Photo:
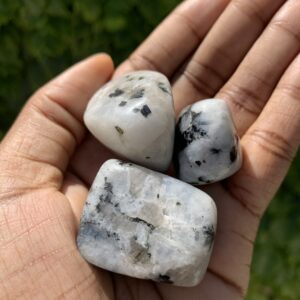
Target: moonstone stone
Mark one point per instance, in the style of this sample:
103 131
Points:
134 116
147 225
206 144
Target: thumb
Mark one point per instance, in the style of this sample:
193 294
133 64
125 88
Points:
37 148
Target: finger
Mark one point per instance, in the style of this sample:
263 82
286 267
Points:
40 143
76 192
223 49
270 144
176 38
73 88
252 84
269 147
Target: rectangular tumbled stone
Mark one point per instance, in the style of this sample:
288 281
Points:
147 225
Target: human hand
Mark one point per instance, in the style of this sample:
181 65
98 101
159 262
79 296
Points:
42 190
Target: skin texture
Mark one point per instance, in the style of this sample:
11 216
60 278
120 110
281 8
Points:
249 56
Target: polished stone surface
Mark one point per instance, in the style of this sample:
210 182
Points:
134 116
207 147
147 225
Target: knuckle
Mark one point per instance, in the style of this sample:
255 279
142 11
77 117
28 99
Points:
245 197
273 143
183 18
285 26
249 99
243 98
287 19
252 9
290 90
205 78
140 61
198 84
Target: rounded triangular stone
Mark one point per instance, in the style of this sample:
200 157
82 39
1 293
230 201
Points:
207 147
147 225
134 116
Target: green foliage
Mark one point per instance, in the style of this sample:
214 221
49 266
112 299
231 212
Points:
40 38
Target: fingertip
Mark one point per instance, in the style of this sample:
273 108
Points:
75 86
106 60
103 62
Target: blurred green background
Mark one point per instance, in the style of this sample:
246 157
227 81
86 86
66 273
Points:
39 38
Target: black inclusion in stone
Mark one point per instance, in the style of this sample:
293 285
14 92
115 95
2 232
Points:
215 151
145 111
163 88
115 236
209 233
108 192
125 163
119 129
196 130
122 103
138 94
233 154
197 125
193 132
116 93
98 207
147 157
138 220
202 179
179 144
107 186
164 279
197 234
180 140
198 163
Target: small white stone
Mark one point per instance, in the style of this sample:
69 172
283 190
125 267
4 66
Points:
147 225
206 145
134 116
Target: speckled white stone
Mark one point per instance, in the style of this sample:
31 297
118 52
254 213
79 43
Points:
134 116
147 225
206 143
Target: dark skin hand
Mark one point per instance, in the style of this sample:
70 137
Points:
249 57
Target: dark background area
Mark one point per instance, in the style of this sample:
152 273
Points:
40 38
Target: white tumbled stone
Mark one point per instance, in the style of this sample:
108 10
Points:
147 225
134 116
207 147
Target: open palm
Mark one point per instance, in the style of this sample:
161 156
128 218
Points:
246 52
